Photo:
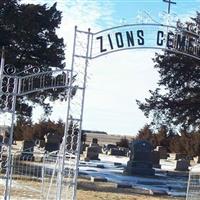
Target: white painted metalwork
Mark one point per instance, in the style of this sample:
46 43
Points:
8 91
14 84
147 36
43 81
193 188
60 174
60 169
64 176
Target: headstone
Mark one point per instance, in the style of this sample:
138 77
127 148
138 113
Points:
91 153
182 165
107 147
197 159
83 147
27 150
162 151
94 141
155 156
126 151
117 164
116 152
41 143
98 179
123 185
140 162
156 192
95 144
177 156
52 142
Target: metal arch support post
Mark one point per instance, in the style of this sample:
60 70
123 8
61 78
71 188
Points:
9 154
63 148
18 90
81 117
9 160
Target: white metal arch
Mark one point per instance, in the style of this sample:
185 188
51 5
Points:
87 45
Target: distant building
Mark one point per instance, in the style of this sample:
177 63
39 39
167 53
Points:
94 132
103 137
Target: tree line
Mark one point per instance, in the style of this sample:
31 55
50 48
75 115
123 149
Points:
185 142
28 33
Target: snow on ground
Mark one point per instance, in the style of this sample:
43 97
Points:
112 167
174 184
196 168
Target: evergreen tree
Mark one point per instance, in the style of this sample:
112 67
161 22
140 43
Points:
28 33
176 100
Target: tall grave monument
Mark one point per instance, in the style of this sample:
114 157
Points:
140 162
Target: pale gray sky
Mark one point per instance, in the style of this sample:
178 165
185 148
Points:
115 80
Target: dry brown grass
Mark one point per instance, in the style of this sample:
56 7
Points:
87 190
107 191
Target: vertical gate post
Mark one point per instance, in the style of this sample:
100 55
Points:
10 98
64 143
70 153
9 154
81 117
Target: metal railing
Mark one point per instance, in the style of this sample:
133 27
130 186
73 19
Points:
193 188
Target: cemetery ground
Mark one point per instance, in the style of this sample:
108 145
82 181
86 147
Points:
91 191
163 186
106 191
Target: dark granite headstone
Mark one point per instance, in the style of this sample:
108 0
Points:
182 165
27 150
177 156
52 147
116 152
162 151
95 144
140 162
91 153
155 155
94 141
53 142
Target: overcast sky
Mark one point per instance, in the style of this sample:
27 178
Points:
115 80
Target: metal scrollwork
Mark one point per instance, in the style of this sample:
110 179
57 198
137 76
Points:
168 18
9 69
145 17
6 102
189 26
7 85
36 70
29 69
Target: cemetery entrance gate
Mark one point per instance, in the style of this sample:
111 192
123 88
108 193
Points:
56 171
60 171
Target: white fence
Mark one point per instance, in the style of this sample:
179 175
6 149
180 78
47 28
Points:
193 190
39 175
53 175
